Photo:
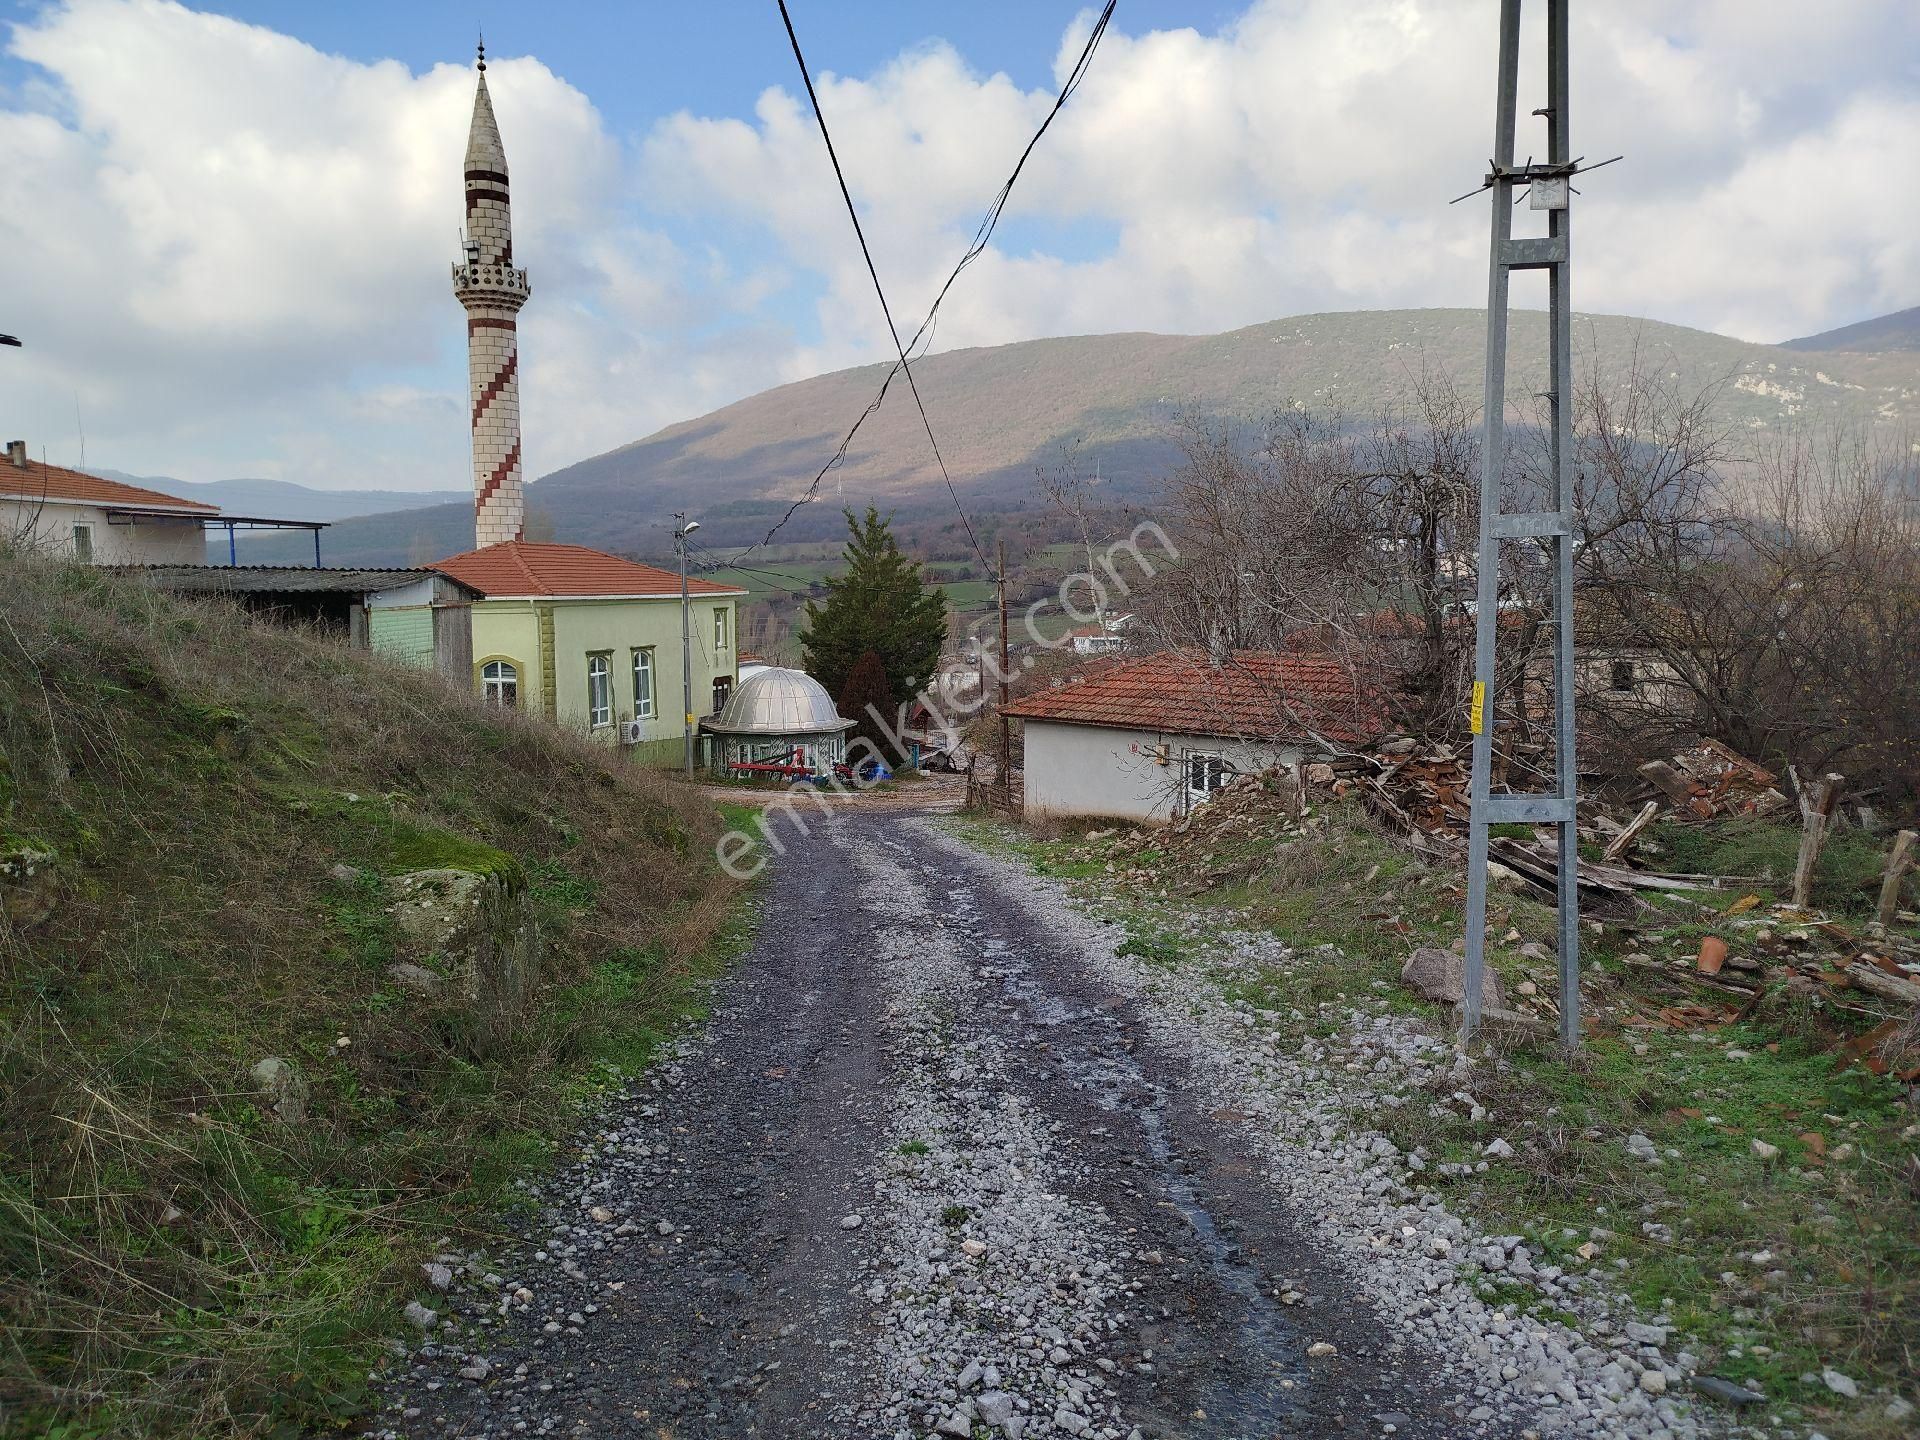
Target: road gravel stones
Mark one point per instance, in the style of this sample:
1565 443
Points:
944 1163
1305 1104
988 1262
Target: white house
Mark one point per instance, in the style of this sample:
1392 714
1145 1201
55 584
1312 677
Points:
1108 637
1149 739
95 520
98 521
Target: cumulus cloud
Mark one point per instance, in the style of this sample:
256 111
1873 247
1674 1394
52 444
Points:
239 250
1302 159
237 245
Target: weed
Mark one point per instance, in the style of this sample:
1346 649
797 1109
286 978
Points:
174 1261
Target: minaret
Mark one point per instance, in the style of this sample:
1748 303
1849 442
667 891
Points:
492 292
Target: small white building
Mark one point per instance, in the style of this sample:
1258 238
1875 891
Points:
1149 739
1107 637
95 520
98 521
779 720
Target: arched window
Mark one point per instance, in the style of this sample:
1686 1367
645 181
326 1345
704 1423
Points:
643 683
599 691
500 683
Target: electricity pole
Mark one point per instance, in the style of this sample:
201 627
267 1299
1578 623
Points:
1006 733
680 534
1550 189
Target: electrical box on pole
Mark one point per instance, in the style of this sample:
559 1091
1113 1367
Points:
1550 189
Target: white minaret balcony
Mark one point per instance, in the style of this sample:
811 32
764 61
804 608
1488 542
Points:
490 284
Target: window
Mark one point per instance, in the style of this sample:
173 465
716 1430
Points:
599 691
83 544
1620 675
643 684
722 690
1206 773
720 630
500 683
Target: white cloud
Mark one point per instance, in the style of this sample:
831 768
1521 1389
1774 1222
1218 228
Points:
1302 160
240 249
238 245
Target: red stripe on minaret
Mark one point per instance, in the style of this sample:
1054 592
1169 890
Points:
495 386
500 473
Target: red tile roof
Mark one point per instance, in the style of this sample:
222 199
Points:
54 482
518 568
1255 694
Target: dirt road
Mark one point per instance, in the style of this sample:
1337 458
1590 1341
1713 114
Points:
943 1163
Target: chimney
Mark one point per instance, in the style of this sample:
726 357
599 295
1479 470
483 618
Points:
17 454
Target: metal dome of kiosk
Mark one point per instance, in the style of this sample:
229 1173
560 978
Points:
780 724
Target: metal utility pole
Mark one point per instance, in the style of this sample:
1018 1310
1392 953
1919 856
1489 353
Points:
1549 189
1006 733
680 533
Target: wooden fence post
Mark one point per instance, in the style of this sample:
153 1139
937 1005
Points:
1898 863
1817 812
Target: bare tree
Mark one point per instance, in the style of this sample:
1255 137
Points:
1357 542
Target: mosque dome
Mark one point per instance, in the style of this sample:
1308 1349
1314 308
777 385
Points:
777 701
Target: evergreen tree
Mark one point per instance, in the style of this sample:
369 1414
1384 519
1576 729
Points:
880 602
867 686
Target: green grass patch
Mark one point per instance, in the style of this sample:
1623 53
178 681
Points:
1846 880
175 1261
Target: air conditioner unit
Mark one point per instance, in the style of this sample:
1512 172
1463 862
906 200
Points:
632 732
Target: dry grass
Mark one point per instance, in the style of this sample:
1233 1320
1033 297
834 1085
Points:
173 1261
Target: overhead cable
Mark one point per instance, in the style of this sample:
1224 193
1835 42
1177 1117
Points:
981 236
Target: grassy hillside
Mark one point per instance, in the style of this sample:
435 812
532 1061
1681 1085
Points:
1898 331
1001 411
199 822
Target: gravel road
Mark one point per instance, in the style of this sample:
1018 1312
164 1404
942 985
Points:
943 1162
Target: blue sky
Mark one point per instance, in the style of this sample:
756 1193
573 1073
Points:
238 218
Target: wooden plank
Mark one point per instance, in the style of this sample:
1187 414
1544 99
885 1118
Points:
1813 834
1668 781
1620 843
1898 863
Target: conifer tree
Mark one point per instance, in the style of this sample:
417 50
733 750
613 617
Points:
867 687
880 602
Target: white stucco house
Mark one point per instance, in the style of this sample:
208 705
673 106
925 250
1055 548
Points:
1149 739
1108 637
98 521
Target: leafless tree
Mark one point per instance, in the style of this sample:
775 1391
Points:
1354 541
1767 596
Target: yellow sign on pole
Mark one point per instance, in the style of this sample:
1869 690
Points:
1477 717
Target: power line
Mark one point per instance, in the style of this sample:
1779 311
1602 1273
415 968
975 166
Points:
979 243
720 562
860 234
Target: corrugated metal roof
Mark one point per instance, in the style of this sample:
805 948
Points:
277 579
1252 694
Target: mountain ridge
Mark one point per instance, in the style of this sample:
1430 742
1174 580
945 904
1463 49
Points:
1002 411
286 500
1898 331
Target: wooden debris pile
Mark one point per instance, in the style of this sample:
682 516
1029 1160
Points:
1708 779
1423 789
1869 979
